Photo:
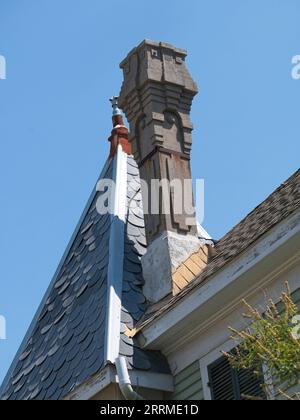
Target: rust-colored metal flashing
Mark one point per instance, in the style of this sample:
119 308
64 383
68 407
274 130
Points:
120 133
119 136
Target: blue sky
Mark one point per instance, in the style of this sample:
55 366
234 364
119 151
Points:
62 66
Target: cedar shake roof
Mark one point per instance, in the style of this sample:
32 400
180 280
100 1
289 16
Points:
281 204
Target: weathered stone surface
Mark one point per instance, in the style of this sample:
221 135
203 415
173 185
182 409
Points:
156 96
163 256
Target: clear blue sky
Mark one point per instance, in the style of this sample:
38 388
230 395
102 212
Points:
62 66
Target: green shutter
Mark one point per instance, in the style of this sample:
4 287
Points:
221 381
228 384
250 384
188 384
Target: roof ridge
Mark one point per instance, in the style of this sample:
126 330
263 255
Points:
277 190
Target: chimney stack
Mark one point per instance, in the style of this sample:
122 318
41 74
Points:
156 96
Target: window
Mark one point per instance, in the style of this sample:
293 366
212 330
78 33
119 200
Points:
227 383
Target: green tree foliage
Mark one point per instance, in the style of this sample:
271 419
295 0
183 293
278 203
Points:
272 341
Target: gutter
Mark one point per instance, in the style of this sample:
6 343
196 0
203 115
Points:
124 381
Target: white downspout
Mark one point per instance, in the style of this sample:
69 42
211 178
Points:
124 380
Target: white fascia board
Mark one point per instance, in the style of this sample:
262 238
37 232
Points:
228 284
151 380
108 376
116 258
93 386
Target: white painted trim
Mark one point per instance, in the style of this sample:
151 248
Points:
93 386
190 347
213 332
287 234
108 376
116 259
120 200
151 380
269 383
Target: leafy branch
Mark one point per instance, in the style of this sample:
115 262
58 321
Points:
270 342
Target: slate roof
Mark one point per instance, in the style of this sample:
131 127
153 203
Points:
281 204
134 303
65 344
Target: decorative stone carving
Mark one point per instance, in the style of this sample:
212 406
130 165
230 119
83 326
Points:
156 96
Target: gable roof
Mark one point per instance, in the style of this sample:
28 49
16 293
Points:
68 339
281 204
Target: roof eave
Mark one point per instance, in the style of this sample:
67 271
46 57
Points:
108 376
181 320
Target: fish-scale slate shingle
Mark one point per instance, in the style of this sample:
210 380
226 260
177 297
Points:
134 303
66 345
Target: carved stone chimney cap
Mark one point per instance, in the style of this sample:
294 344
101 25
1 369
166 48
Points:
157 62
154 44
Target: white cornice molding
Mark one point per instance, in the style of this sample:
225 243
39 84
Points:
233 305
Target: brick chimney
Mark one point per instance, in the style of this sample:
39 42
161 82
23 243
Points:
156 96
